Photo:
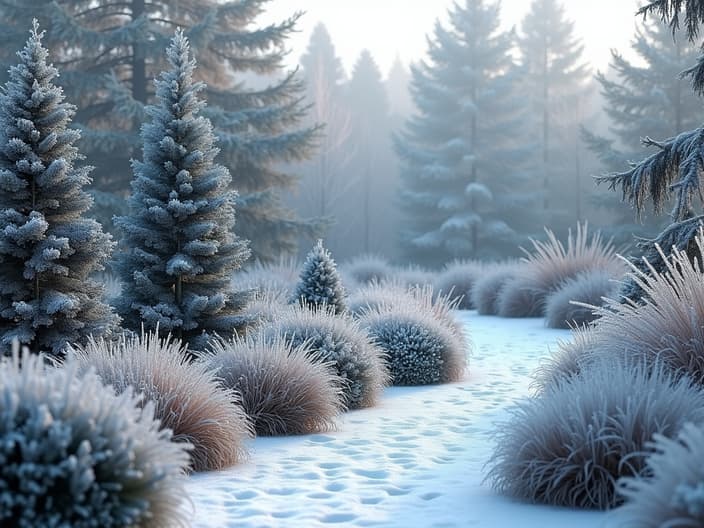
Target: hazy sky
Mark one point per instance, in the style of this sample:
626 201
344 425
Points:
388 27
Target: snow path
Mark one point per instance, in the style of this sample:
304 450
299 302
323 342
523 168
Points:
414 461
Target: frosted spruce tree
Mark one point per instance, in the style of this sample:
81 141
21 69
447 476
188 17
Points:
672 173
555 80
465 176
180 249
48 250
650 98
319 283
111 51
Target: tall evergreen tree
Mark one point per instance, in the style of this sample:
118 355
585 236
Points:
48 251
371 206
180 247
555 77
398 84
111 49
464 172
324 185
647 98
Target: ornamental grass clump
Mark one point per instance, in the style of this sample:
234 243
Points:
488 286
457 280
550 265
671 491
589 289
569 445
284 390
668 326
366 269
421 349
187 396
74 453
338 340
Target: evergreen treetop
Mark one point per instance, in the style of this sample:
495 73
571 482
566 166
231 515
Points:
180 249
48 251
111 49
649 98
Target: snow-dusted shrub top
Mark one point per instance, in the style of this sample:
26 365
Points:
378 294
672 494
487 288
187 396
590 287
568 361
420 348
319 283
72 453
366 269
284 390
457 280
339 340
569 445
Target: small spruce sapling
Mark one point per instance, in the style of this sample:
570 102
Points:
181 250
319 282
48 250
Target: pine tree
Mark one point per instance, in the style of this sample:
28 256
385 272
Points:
672 173
371 204
649 98
464 154
110 50
554 81
180 247
319 284
48 250
398 82
324 185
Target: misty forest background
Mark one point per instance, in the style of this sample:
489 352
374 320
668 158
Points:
462 154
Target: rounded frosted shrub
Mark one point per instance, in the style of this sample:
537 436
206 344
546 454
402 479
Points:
569 445
420 349
187 397
73 453
550 265
486 290
457 281
519 298
279 276
588 288
569 360
672 494
340 341
265 306
284 390
414 276
670 326
366 269
376 295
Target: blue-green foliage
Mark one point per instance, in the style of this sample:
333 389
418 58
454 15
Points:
259 127
180 247
319 283
48 251
464 154
72 453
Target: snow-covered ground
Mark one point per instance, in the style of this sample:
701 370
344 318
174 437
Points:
417 460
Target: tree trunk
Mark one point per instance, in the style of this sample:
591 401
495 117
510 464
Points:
546 128
139 66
